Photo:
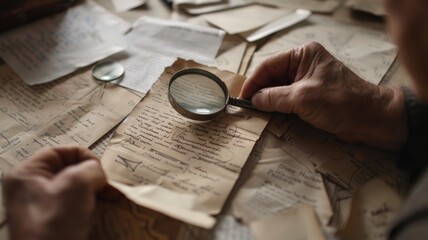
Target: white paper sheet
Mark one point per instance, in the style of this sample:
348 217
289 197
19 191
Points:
155 44
56 46
125 5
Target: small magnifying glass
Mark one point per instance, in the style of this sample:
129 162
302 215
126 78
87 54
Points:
200 95
108 71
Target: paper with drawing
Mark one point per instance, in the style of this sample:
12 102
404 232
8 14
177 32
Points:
56 46
278 182
183 168
367 52
74 110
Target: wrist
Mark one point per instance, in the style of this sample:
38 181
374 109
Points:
386 120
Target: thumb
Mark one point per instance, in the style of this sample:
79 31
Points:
274 99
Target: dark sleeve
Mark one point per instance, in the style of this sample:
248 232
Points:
414 154
412 220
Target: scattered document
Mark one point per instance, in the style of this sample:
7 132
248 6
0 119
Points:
155 44
367 52
125 5
56 46
220 6
182 168
376 7
77 110
279 182
348 165
374 207
231 53
298 223
287 21
319 6
244 19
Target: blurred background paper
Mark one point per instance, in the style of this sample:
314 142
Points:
244 19
319 6
287 21
56 46
125 5
375 7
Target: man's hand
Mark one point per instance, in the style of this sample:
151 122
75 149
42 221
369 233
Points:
52 194
311 83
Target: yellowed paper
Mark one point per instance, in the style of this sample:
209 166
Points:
367 52
374 206
348 165
279 182
76 110
231 53
249 51
183 168
375 7
320 6
298 223
245 18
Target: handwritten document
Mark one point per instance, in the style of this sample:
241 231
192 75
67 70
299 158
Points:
373 209
182 168
56 46
155 44
348 165
73 110
279 182
367 52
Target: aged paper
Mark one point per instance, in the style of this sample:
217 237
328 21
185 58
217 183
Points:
231 53
278 182
125 5
246 59
320 6
73 110
367 52
375 7
290 19
183 168
244 19
348 165
297 223
208 8
374 206
56 46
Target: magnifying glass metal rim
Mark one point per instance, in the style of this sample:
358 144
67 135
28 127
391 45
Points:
189 114
98 64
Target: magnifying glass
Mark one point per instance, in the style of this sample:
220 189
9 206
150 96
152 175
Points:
200 95
108 71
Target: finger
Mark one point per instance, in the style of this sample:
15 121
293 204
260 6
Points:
88 174
277 70
275 99
52 160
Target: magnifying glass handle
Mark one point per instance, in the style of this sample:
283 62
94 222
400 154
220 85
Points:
244 103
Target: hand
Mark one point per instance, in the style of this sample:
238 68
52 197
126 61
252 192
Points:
52 194
311 83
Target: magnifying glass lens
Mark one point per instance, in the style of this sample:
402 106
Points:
198 94
108 71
